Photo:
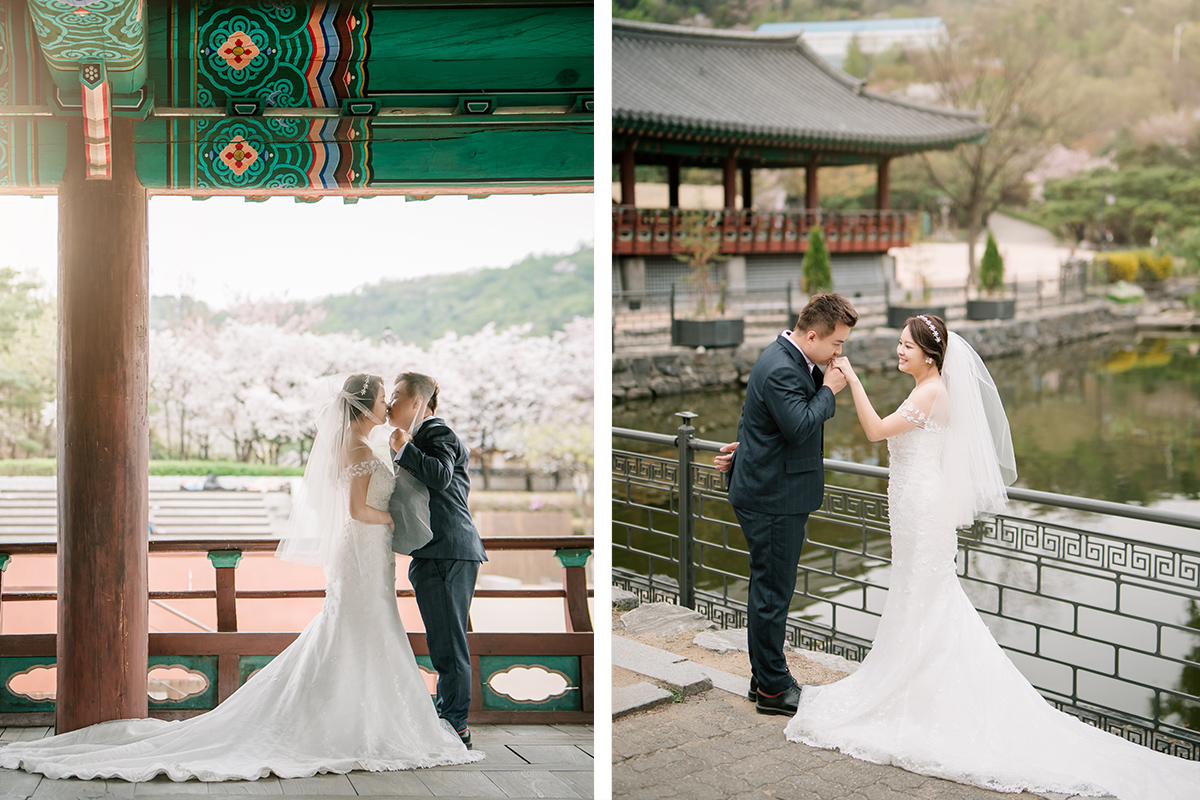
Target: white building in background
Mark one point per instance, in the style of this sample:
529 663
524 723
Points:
832 39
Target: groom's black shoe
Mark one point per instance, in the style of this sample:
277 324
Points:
783 703
752 695
465 735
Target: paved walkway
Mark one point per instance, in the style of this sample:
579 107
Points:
524 761
712 745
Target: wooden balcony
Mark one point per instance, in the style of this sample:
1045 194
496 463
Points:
647 231
226 658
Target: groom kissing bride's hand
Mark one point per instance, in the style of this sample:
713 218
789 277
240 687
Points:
776 478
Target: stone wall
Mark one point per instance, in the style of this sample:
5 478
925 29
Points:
678 370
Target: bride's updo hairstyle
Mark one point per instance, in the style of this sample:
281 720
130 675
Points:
417 384
930 334
364 388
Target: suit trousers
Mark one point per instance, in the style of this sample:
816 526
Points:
774 542
444 588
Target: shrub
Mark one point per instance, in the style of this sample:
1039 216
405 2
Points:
1154 268
818 276
1122 267
991 268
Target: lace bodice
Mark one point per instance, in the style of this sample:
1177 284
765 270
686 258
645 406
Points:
379 490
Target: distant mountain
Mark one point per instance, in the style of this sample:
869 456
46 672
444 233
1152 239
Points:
546 291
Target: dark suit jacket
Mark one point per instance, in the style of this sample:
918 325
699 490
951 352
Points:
777 468
438 459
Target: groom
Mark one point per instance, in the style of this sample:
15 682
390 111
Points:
776 478
442 572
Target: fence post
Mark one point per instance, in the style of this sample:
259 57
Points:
687 525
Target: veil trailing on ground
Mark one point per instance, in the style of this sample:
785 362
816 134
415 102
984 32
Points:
321 506
977 455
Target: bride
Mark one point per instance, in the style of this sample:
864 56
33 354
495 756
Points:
936 695
347 694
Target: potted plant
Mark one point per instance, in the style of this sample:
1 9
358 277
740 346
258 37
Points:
708 326
993 305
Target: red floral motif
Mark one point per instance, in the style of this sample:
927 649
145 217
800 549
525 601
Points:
238 155
238 51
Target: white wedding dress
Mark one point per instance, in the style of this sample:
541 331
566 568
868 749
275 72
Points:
346 695
936 695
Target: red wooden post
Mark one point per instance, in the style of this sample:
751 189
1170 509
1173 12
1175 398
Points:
811 198
103 438
731 181
579 619
628 177
883 195
225 562
4 559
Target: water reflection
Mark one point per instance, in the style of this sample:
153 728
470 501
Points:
1113 418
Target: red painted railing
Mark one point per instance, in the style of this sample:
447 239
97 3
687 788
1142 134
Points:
232 649
648 231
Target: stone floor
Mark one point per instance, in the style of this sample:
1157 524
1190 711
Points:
713 746
524 761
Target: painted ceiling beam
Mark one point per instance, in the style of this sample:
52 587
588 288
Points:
70 32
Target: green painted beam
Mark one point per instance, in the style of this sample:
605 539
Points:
420 62
356 153
112 31
484 49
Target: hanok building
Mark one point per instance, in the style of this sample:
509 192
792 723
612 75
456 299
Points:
106 102
737 102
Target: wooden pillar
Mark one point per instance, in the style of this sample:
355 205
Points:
883 196
673 184
747 187
103 438
811 197
628 179
730 181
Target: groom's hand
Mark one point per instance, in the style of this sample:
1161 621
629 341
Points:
835 378
398 439
724 462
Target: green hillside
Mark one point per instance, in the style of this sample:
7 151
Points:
546 290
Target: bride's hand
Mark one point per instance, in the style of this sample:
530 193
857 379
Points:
842 364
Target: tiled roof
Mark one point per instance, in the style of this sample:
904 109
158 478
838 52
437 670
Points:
763 89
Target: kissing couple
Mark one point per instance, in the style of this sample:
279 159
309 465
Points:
936 695
347 694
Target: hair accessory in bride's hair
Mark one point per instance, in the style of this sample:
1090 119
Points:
932 329
366 383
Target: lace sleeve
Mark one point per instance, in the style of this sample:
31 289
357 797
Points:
911 412
916 416
363 468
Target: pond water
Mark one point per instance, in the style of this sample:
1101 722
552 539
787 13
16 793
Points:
1113 419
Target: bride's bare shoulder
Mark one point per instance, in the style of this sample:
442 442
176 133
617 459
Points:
357 456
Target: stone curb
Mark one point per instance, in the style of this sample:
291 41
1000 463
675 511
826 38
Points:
639 697
676 671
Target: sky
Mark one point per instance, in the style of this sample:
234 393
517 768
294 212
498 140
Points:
225 250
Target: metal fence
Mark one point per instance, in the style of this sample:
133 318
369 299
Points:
1106 628
645 318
